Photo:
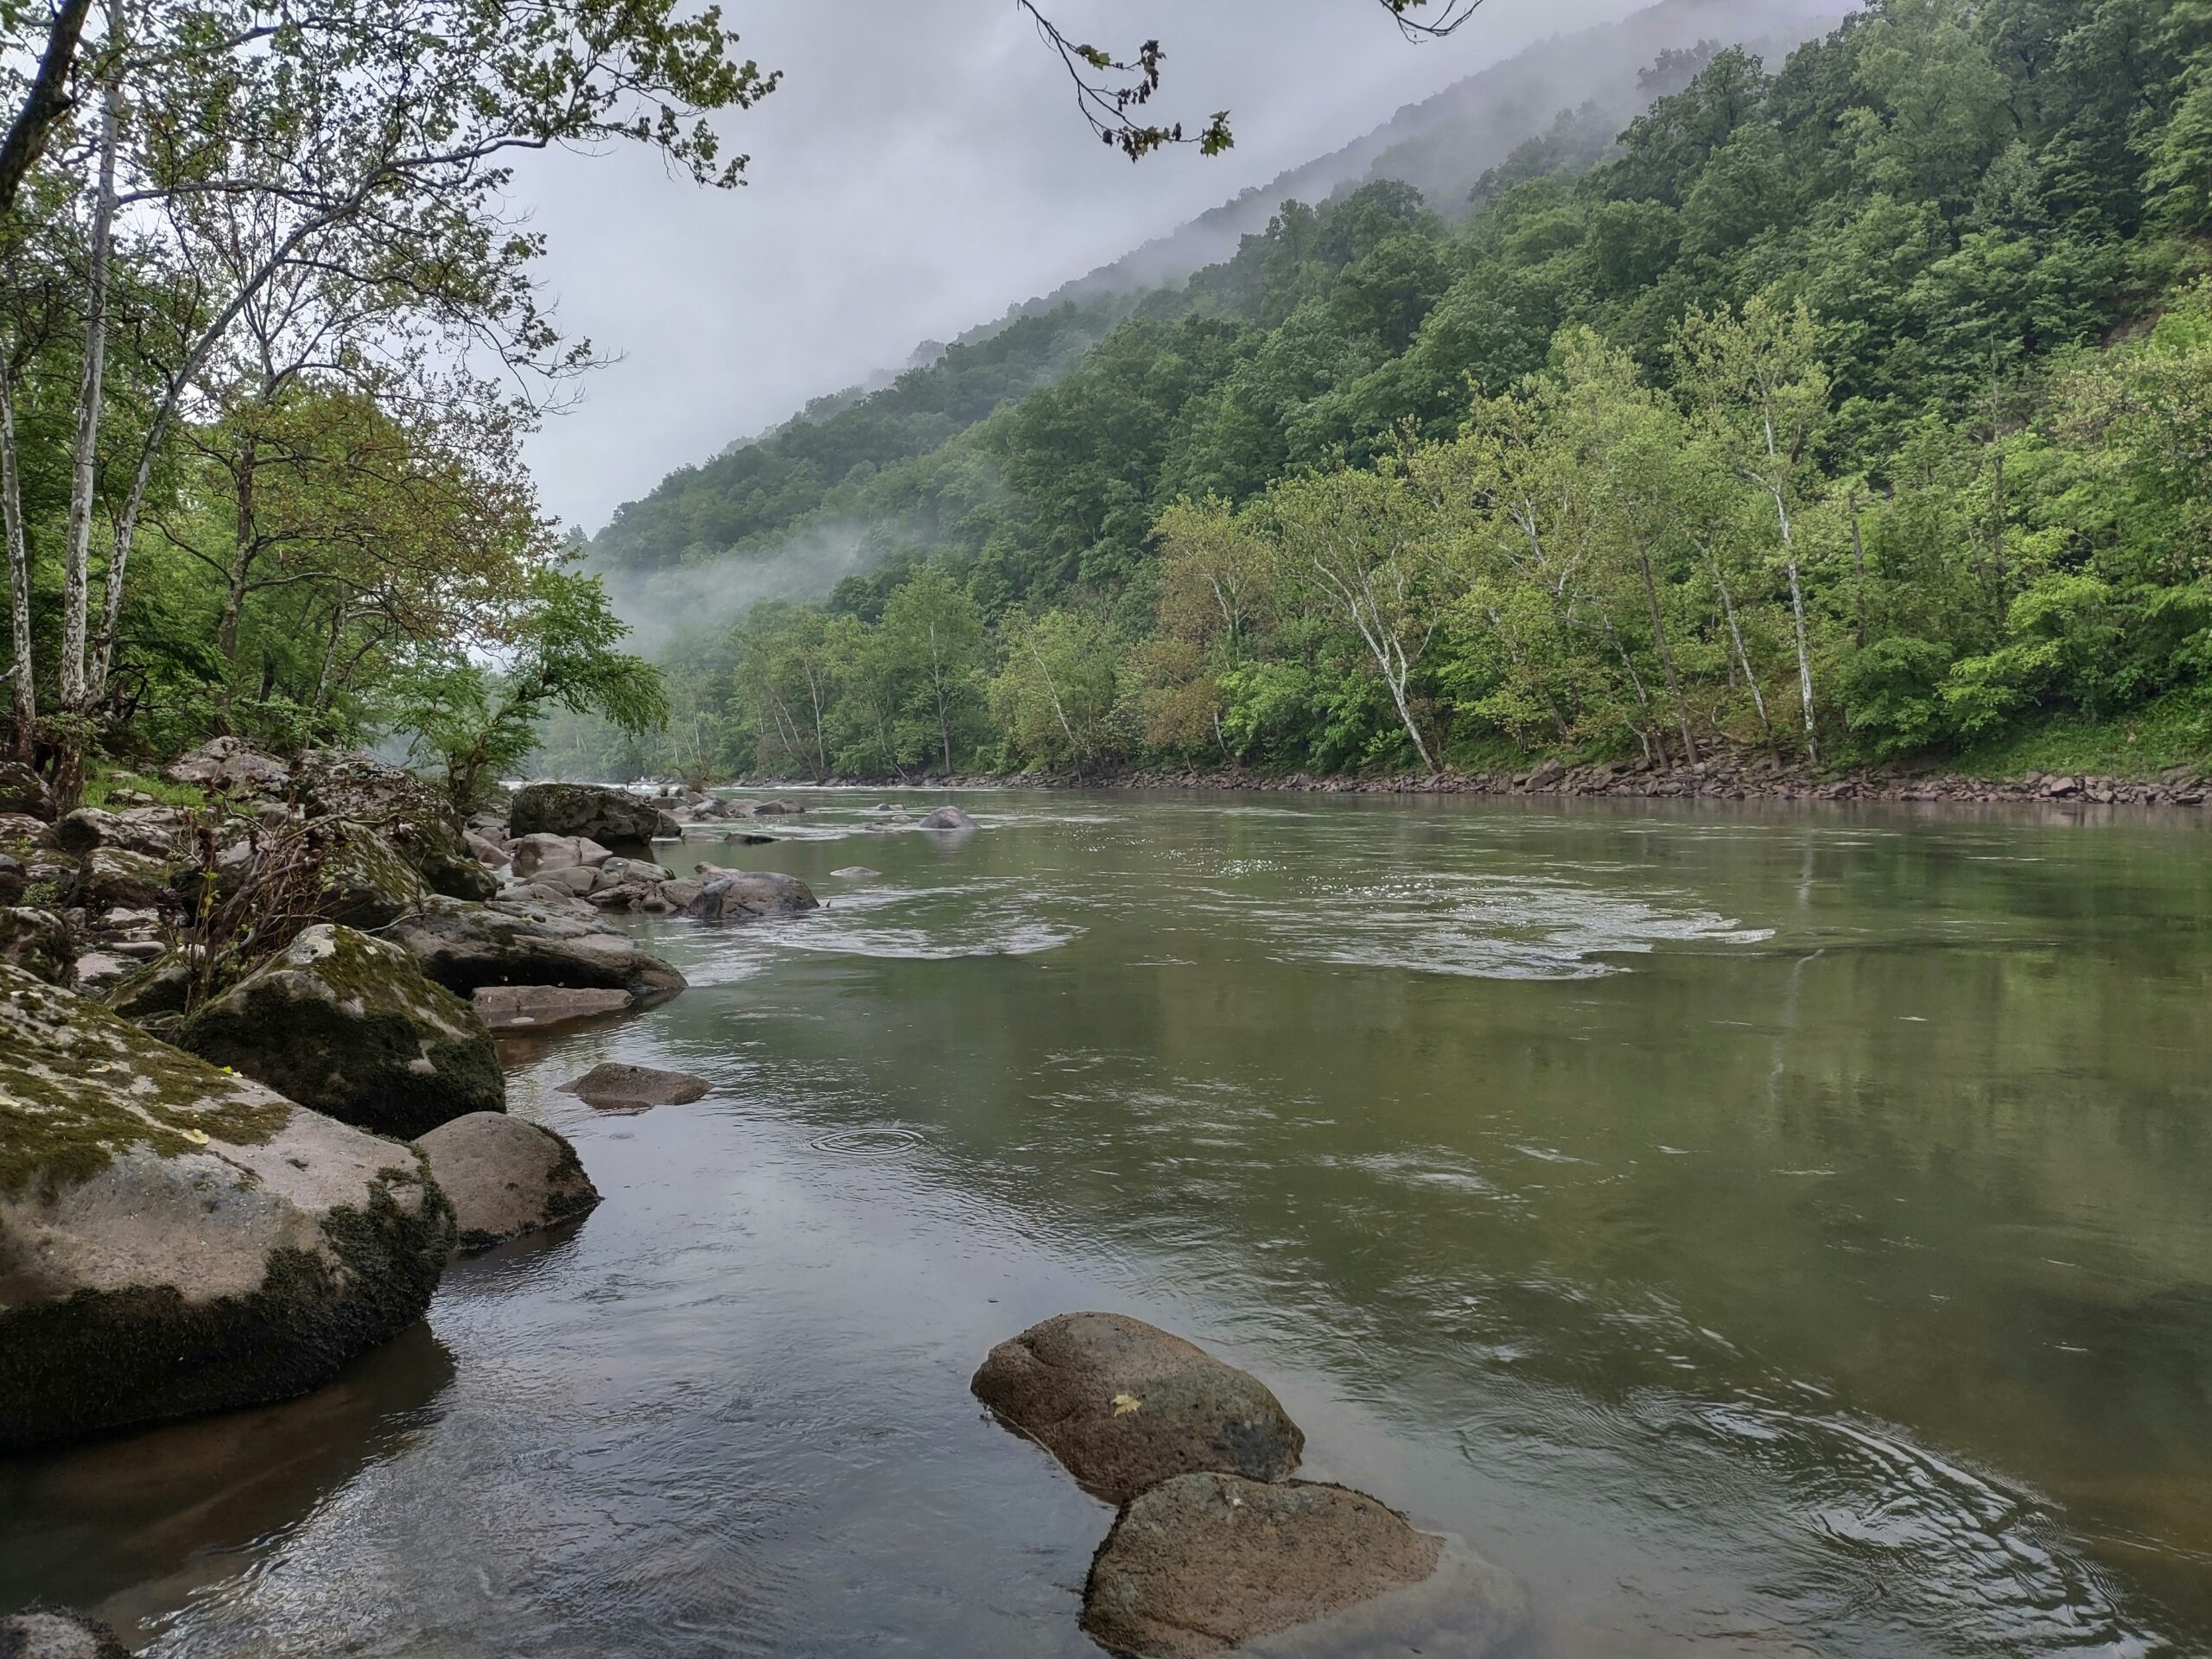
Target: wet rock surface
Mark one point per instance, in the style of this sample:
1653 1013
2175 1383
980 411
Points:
1124 1405
504 1177
537 1008
1204 1562
948 817
465 947
613 1083
347 1025
752 895
174 1239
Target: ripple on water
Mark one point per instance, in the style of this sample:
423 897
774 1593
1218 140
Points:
868 1138
1490 926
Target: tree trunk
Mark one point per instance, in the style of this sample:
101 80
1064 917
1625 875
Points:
1735 633
84 463
226 629
25 698
1857 577
1665 655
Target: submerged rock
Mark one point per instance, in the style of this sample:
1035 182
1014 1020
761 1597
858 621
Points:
752 895
613 1083
42 1633
505 1176
857 872
534 1007
1124 1404
464 947
174 1239
607 815
347 1025
1203 1562
948 817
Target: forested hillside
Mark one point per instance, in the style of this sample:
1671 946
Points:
1855 405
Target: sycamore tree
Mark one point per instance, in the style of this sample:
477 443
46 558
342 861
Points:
478 718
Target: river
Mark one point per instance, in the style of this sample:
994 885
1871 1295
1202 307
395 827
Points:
1765 1230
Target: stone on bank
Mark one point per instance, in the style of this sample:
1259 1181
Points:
174 1239
347 1025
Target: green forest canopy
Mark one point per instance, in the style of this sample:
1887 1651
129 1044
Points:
1859 408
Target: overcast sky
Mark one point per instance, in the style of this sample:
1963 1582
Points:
921 168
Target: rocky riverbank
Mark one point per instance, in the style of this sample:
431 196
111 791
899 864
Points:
1727 778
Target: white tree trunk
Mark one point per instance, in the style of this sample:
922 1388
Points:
76 685
24 701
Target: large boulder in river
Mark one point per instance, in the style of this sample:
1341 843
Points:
610 816
347 1025
505 1176
1124 1405
752 895
174 1239
44 1632
948 817
464 947
1204 1562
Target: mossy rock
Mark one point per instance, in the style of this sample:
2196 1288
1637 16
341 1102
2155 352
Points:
365 883
22 790
41 1631
176 1239
39 943
156 832
347 1025
115 877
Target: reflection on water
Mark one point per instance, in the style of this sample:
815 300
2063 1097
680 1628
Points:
1766 1233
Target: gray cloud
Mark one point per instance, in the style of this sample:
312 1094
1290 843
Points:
922 169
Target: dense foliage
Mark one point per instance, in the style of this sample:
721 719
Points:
1858 407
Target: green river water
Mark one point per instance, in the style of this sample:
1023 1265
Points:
1766 1231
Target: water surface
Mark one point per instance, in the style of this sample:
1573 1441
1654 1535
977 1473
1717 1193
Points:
1766 1231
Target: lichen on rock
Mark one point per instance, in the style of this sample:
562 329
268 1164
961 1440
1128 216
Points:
347 1025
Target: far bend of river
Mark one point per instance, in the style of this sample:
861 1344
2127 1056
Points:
1766 1231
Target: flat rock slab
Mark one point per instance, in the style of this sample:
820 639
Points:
1205 1563
505 1176
1124 1405
534 1007
616 1084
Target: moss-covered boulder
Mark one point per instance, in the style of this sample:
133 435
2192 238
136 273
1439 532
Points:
414 817
347 1025
1124 1405
39 943
225 763
21 790
115 877
612 818
174 1239
365 881
465 947
505 1176
157 832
